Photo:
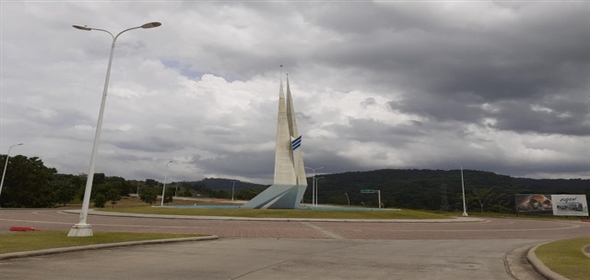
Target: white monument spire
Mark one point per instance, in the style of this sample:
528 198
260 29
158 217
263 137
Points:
290 181
296 139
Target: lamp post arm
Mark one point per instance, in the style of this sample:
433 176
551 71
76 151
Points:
6 165
114 39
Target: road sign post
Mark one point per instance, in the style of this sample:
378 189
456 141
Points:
369 191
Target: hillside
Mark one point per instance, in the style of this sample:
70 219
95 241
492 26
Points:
423 189
420 188
437 189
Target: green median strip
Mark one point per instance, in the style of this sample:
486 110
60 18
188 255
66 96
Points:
566 257
38 240
282 213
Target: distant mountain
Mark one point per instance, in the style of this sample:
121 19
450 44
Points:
435 189
419 188
216 184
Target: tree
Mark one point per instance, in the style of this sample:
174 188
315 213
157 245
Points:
119 183
168 195
482 196
151 182
148 195
27 183
247 193
113 196
186 193
98 179
221 194
64 188
100 200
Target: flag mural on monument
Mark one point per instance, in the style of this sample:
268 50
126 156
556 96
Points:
290 181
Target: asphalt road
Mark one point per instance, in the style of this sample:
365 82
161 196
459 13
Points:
490 249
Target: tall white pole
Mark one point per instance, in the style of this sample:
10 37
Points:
313 185
347 198
463 190
313 190
82 228
6 165
164 187
232 190
317 190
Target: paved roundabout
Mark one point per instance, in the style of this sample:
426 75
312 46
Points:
466 248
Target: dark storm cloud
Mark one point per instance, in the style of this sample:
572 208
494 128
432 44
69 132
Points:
330 162
449 70
465 107
497 86
518 116
367 130
246 164
150 144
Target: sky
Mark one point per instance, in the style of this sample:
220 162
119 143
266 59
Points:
498 86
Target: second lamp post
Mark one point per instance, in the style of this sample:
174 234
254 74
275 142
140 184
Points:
82 228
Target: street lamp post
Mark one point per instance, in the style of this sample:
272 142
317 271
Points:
347 198
462 190
317 190
164 187
232 190
313 190
6 165
82 228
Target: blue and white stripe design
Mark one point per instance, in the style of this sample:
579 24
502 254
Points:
296 143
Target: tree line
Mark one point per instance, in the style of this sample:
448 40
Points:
29 183
438 189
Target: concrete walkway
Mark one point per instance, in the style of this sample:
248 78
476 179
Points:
530 256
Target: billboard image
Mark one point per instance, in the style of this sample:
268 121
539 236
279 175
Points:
569 205
536 204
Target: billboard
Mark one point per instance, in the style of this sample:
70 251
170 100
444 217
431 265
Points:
534 204
569 205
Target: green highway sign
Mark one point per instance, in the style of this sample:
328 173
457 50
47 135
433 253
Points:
367 191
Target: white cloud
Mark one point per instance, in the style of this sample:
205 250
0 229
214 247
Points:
375 85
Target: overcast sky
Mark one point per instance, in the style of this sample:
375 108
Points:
499 86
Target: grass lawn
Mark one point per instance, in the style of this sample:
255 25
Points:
566 258
134 205
38 240
282 213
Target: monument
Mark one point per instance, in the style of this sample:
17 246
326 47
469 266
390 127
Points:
290 181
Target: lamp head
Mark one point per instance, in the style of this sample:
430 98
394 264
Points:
151 25
82 27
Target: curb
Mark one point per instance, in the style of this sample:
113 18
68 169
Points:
540 267
224 218
52 251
